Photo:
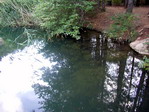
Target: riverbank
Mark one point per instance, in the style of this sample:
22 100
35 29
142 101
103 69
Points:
102 21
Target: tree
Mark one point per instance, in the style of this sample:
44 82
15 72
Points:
129 6
125 3
63 16
101 4
137 2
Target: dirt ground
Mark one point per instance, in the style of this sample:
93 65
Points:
102 21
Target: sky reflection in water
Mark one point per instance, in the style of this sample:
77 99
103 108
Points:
17 76
68 76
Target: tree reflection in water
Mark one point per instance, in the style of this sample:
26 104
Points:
91 76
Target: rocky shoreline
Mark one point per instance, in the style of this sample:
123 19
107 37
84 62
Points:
141 45
102 22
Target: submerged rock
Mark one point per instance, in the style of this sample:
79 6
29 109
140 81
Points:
141 46
1 41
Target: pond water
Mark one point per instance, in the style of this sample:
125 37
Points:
65 75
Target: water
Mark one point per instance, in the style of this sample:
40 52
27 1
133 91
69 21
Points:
73 76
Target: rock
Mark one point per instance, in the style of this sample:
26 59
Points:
141 46
1 41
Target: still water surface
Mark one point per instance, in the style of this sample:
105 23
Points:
68 76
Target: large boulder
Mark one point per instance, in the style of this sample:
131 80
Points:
1 41
141 46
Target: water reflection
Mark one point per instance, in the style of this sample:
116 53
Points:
92 77
17 76
70 76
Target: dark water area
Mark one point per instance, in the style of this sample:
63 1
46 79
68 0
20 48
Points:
64 75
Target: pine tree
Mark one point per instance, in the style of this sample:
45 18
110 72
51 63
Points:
129 6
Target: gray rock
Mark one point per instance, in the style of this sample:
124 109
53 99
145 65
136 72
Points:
141 46
1 41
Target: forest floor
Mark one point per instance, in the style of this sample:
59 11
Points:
102 21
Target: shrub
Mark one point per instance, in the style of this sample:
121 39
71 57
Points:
62 16
16 12
123 27
145 63
116 2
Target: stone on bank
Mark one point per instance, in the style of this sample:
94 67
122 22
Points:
141 46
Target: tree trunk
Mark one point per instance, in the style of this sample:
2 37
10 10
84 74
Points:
101 5
137 3
129 6
126 3
119 97
139 91
145 100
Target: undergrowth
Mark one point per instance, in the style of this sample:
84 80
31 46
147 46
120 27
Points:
17 12
58 17
123 27
145 63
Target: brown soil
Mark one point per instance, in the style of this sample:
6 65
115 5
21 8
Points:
102 21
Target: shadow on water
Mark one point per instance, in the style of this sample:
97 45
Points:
18 38
90 75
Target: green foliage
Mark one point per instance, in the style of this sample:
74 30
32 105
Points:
123 27
116 2
57 16
62 16
145 63
16 12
